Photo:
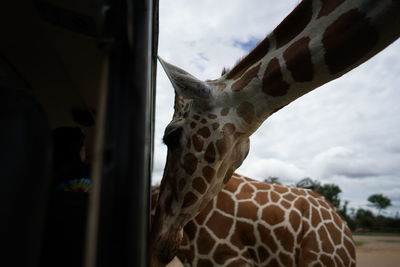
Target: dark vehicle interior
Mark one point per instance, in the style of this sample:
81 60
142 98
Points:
77 63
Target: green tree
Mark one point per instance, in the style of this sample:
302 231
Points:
379 201
364 219
273 180
329 191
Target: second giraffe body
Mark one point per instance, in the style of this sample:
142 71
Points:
251 223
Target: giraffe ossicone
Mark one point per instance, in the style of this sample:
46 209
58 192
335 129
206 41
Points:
186 84
208 137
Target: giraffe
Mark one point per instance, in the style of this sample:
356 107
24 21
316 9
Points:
208 137
252 223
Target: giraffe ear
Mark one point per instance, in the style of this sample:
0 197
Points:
186 84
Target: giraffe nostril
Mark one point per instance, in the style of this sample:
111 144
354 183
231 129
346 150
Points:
172 138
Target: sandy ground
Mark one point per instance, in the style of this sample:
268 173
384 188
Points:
378 251
372 251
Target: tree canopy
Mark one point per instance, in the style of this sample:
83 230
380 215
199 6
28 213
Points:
379 201
329 191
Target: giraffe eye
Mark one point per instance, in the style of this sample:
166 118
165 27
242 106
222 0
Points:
172 138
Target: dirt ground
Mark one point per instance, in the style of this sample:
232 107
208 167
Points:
373 251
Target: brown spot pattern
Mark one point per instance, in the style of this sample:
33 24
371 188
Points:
275 197
286 204
334 233
285 237
208 173
199 184
204 131
246 233
245 193
196 117
272 81
348 40
274 263
246 112
337 219
192 125
261 198
221 146
327 261
224 111
228 175
205 242
197 142
302 205
190 163
204 263
219 224
204 121
298 191
289 197
326 244
294 23
328 6
257 54
263 186
298 60
324 204
236 263
280 189
273 215
190 229
215 125
246 210
223 253
295 220
285 259
209 155
350 248
225 203
343 255
204 213
246 78
189 200
325 214
312 201
311 241
315 218
262 254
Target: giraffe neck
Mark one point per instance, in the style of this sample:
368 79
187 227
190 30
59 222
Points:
318 42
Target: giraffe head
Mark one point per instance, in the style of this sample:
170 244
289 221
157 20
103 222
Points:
207 139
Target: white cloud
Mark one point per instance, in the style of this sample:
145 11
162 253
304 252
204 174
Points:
345 162
264 168
340 132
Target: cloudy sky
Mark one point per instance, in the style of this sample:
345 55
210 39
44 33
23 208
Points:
345 132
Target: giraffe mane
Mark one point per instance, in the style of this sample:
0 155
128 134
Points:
237 67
